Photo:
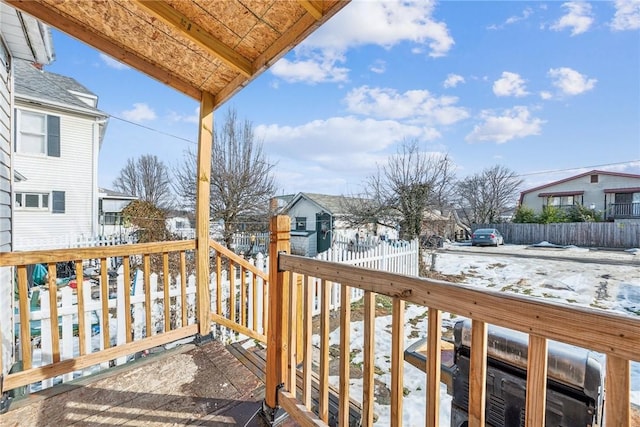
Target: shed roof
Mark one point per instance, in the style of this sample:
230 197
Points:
335 205
214 46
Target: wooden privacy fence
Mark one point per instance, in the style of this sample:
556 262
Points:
616 336
623 234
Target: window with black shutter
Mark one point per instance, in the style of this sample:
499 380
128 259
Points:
38 133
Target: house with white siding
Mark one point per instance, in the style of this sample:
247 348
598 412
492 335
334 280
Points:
111 222
613 194
58 133
21 38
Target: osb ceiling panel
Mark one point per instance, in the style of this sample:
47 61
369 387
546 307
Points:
216 46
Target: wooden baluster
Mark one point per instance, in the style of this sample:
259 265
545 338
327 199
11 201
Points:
290 382
146 273
82 323
166 280
478 374
307 346
434 336
25 323
368 385
219 284
126 270
617 406
536 381
345 353
183 288
53 306
243 298
323 398
254 302
397 361
104 296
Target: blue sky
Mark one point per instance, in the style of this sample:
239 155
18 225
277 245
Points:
534 86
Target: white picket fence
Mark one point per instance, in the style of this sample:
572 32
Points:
402 259
68 241
397 257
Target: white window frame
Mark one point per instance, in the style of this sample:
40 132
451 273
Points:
21 197
22 131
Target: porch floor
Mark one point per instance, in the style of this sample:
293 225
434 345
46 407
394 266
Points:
189 385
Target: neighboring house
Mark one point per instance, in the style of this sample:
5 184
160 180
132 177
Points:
316 218
615 195
182 225
21 37
110 220
59 131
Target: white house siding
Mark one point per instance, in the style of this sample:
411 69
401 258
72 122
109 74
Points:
71 172
6 288
593 192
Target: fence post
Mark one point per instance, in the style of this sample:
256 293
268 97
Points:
277 326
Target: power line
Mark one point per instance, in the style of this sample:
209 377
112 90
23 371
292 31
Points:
153 130
579 168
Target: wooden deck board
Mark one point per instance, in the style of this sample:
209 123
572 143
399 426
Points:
190 385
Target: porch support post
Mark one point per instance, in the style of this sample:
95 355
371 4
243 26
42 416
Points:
277 326
203 197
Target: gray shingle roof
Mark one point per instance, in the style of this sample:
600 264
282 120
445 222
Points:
34 83
335 205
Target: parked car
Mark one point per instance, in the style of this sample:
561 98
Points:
486 237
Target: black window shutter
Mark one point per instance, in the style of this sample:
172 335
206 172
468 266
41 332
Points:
53 136
57 205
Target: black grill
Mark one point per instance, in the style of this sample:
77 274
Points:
574 382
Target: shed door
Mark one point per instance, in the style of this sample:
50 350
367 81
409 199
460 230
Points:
323 231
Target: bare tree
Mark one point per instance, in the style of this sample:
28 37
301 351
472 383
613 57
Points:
242 181
485 196
146 178
411 182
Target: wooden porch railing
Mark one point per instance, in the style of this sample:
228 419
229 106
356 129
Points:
239 302
616 336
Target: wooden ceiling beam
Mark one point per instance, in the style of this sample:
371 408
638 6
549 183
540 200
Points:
311 7
196 33
72 27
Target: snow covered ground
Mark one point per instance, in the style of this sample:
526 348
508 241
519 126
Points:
596 284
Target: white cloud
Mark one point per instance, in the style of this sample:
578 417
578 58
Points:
360 23
570 82
378 66
453 80
112 63
578 18
512 19
141 112
627 16
176 117
546 95
516 122
510 84
412 105
361 143
310 71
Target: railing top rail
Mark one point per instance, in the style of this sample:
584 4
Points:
237 259
605 332
60 255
